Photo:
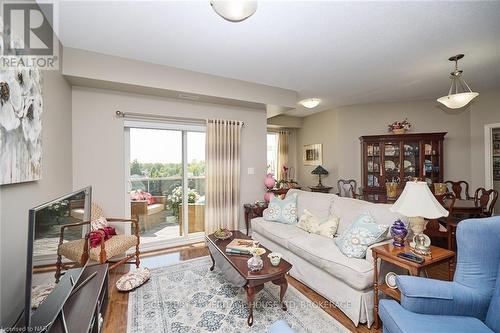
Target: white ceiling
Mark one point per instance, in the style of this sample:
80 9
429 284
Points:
343 52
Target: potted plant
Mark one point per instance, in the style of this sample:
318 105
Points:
399 127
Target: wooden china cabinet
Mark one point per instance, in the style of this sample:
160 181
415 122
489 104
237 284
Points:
399 158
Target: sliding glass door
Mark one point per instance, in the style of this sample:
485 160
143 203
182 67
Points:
167 181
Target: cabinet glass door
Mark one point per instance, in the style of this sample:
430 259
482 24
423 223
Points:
392 162
432 167
373 165
411 160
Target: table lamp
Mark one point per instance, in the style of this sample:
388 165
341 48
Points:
319 170
417 202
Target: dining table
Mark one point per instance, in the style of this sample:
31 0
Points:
464 207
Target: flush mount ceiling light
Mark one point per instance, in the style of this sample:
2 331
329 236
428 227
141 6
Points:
234 10
457 98
310 103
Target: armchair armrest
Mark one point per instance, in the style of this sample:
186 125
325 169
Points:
134 222
429 296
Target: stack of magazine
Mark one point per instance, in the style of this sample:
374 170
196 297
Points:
241 246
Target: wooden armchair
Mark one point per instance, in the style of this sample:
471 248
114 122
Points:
487 200
78 251
458 187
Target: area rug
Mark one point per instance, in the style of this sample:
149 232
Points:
187 297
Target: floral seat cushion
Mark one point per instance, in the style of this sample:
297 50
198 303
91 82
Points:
114 246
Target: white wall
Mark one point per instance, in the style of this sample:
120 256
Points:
98 143
17 199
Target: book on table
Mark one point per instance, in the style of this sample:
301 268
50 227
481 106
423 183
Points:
241 246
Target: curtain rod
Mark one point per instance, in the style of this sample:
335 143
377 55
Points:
135 115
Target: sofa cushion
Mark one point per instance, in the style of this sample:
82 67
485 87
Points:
323 253
319 204
277 232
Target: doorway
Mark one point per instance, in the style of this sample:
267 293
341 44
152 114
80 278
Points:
166 182
492 159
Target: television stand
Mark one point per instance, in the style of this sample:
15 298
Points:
84 309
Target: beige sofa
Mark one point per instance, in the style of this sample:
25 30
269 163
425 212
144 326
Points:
317 261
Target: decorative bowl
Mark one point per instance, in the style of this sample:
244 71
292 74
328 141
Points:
223 234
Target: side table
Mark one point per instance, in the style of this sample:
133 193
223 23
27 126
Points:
253 210
389 252
320 189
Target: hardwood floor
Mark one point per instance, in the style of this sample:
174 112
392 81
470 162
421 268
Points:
116 314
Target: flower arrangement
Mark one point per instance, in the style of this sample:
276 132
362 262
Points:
175 199
399 126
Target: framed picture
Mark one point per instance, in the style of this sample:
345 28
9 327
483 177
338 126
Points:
313 154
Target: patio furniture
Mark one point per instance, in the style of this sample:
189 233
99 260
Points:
78 251
143 211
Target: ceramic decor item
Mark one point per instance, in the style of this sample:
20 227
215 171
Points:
269 182
399 233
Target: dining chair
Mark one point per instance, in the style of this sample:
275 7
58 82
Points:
487 200
444 227
458 187
347 188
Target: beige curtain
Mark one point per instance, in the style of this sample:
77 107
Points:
282 153
223 175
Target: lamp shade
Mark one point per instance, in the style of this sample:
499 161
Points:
456 101
417 200
234 10
319 170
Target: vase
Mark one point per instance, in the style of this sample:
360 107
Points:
399 233
399 131
269 182
255 263
392 189
268 196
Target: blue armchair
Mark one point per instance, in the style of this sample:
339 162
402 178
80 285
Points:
470 303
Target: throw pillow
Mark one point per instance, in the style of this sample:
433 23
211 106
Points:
308 221
132 280
362 233
99 223
282 210
327 228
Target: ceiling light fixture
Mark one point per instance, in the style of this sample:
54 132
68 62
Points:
234 10
456 99
310 103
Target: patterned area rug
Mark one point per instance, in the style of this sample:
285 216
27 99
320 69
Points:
187 297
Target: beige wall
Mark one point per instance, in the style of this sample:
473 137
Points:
98 141
339 131
17 199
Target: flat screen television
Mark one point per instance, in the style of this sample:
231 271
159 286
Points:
45 222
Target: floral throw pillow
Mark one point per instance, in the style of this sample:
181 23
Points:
282 210
307 221
328 228
362 233
312 224
99 223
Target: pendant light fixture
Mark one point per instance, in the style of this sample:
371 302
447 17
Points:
310 103
457 98
234 10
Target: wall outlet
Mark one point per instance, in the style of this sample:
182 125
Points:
251 171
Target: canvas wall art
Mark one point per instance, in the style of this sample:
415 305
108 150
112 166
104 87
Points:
21 108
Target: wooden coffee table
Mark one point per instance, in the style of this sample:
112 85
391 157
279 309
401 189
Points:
253 282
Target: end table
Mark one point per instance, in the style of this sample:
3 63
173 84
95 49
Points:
253 210
389 252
